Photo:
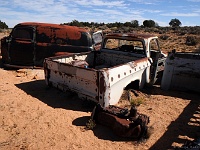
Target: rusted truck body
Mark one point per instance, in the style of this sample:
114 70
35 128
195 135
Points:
30 42
125 60
182 72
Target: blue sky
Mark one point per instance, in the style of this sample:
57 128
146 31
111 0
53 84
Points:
107 11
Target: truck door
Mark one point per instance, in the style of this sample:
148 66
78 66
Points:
158 58
21 46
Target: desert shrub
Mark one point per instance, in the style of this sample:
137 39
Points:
182 33
194 30
148 30
197 50
156 30
162 32
191 41
113 29
164 37
125 29
90 124
137 101
104 27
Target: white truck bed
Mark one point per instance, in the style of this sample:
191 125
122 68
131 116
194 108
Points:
98 76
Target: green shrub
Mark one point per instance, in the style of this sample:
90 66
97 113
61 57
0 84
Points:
90 124
136 101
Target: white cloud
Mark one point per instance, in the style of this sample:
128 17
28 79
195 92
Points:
146 2
107 11
100 3
174 14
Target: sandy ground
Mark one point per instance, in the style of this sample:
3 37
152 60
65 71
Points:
36 117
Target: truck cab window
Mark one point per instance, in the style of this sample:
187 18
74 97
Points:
154 48
22 33
154 45
134 46
111 44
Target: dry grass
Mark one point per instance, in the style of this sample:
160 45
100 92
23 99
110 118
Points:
175 39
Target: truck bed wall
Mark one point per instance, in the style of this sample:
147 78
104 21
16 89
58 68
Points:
182 72
103 82
103 59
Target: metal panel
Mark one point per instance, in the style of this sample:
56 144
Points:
74 78
182 71
120 76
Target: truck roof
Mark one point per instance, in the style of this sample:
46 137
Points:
131 35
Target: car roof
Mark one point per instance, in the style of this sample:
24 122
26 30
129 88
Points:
60 30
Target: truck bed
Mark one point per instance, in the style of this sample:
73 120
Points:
99 60
98 76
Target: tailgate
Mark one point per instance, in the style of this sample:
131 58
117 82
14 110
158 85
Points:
72 78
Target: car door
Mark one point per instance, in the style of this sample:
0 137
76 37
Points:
21 46
158 59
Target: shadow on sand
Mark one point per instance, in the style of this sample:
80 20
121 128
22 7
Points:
67 100
187 124
55 98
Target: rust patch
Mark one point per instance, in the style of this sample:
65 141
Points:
124 122
60 31
141 60
63 53
102 85
23 42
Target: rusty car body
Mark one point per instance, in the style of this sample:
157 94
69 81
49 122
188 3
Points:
124 60
30 42
124 122
182 72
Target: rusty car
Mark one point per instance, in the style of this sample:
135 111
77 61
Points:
30 42
124 60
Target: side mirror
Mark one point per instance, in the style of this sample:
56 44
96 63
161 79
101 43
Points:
97 37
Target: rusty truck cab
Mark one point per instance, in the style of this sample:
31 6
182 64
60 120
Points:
30 42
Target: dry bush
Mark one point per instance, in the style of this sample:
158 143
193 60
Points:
90 124
164 37
197 50
191 41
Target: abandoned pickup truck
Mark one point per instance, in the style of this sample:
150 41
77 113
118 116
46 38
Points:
182 72
124 61
30 42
